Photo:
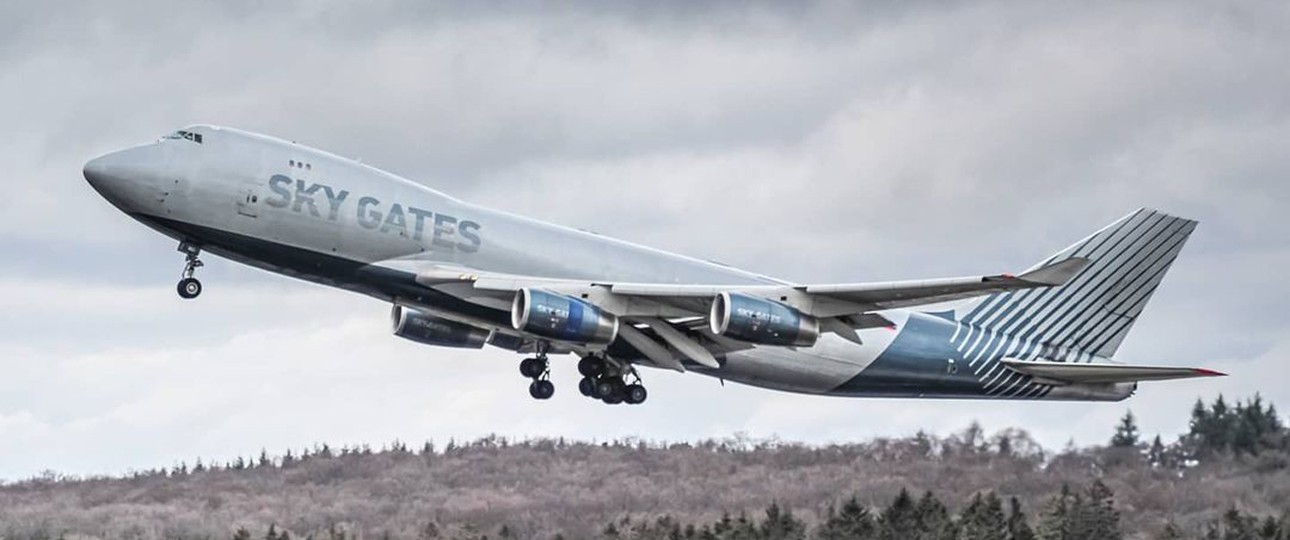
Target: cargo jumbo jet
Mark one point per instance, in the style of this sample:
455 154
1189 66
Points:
461 275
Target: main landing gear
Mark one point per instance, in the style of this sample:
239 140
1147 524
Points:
610 383
189 287
538 369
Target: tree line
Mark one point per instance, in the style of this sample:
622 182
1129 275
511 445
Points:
1226 477
1088 514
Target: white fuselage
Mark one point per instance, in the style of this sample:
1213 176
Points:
302 212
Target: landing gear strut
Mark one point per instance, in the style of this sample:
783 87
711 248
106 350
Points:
538 369
189 287
610 383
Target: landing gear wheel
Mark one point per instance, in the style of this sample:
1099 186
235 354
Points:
591 366
587 386
634 394
189 288
613 399
532 367
541 389
605 388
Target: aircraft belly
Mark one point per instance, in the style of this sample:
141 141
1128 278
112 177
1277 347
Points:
325 269
818 369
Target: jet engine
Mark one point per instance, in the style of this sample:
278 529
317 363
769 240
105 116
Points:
431 330
762 321
562 318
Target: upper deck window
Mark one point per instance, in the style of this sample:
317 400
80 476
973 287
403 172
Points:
181 134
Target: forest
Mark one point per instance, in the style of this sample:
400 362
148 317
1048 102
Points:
1226 478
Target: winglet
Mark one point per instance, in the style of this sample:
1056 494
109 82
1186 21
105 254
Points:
1057 273
1202 372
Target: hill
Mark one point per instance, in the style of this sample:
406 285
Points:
1229 472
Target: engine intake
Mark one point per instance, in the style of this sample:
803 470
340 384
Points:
562 318
431 330
762 321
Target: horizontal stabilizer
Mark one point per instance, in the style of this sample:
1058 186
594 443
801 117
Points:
1095 373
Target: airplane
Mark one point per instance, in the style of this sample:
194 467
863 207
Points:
461 275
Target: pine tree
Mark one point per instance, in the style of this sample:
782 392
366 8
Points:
1156 453
1095 517
1238 526
1018 525
1270 530
1220 428
272 534
1198 428
983 519
241 534
900 519
1055 521
744 528
851 522
1126 434
933 519
781 525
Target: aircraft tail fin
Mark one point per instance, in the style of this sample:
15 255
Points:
1095 309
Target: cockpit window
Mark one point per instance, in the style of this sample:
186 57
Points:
181 134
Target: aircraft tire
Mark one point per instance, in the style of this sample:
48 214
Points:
541 389
591 366
531 368
605 388
635 394
587 386
189 288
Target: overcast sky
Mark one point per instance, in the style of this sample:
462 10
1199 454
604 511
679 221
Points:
826 143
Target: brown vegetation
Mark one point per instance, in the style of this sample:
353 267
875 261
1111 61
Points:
541 488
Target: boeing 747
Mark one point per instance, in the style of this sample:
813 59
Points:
461 275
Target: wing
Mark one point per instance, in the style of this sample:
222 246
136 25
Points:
668 321
1101 373
669 300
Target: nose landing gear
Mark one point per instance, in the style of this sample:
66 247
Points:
189 287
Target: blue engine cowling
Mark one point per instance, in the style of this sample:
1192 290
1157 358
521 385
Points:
762 321
562 318
431 330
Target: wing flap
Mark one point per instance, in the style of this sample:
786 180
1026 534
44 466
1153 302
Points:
1100 373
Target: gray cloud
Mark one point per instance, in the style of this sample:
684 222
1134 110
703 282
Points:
825 141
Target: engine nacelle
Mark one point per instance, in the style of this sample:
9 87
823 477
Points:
762 321
431 330
562 318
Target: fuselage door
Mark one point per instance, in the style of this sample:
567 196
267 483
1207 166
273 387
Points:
248 200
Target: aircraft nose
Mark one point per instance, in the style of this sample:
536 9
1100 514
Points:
126 178
96 170
115 170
